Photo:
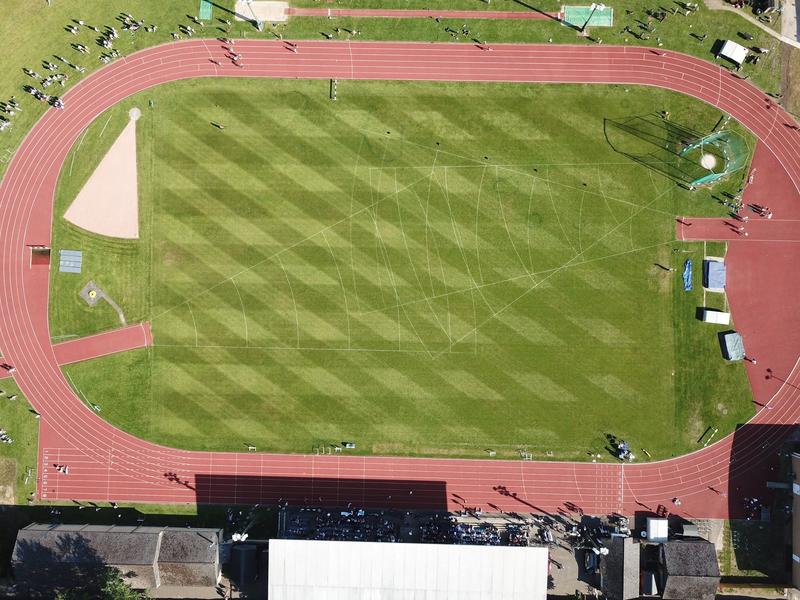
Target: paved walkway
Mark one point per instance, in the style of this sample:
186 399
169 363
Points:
789 19
722 5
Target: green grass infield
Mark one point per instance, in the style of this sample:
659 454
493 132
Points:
425 269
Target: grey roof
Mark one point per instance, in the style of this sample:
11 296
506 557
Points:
76 546
189 545
691 570
619 569
189 557
147 556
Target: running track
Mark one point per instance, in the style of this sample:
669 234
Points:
107 464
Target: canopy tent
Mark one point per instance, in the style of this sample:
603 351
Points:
334 570
716 316
714 275
732 346
733 52
657 530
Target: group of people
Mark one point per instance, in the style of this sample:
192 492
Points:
343 525
54 101
106 39
10 108
483 534
5 438
12 397
395 526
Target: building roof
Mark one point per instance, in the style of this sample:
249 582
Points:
332 570
691 570
619 569
147 556
188 557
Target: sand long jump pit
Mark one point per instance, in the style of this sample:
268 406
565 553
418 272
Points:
108 203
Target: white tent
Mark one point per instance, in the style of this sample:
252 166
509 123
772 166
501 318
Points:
733 52
332 570
716 316
657 530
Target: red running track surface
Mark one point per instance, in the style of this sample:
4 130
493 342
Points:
103 344
108 464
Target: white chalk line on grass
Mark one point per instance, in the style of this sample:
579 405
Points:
435 244
283 250
78 147
603 193
515 169
426 210
477 221
705 253
352 201
478 287
411 262
480 164
85 131
103 130
344 291
244 314
528 224
374 214
460 243
555 211
536 285
294 302
306 348
75 387
499 201
580 223
194 322
380 248
413 327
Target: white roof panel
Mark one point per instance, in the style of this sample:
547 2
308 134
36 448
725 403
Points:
329 570
733 51
657 530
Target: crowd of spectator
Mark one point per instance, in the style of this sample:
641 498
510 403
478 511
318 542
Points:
396 526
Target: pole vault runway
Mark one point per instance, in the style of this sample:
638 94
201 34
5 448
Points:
107 464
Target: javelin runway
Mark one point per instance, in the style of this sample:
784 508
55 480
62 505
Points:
107 464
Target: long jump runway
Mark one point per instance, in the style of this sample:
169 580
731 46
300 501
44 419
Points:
108 464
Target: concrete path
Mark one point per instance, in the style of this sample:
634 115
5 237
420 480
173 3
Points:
721 5
789 19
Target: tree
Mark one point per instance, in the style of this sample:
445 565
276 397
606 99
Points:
113 587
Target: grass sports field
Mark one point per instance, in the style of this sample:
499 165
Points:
424 269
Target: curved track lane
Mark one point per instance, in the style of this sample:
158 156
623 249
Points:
105 463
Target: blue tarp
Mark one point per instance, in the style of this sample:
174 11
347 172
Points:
715 274
687 275
70 261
